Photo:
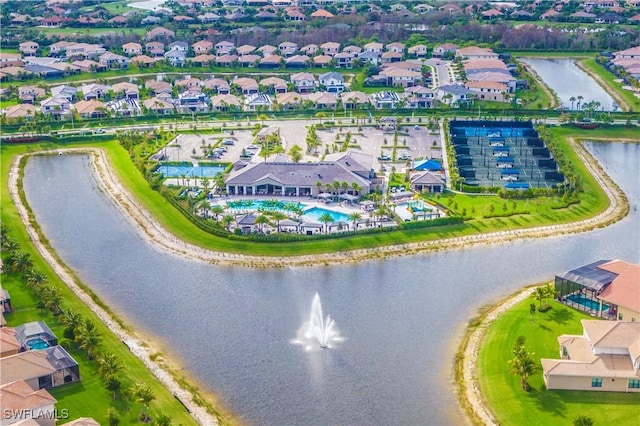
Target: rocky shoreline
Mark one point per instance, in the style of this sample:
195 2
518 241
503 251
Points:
161 238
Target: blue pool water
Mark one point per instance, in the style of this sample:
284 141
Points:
37 344
189 171
581 299
263 204
314 213
418 206
493 132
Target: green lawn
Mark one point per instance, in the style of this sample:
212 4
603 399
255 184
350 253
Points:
629 97
88 398
502 391
92 30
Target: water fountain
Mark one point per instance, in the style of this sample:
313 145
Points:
318 332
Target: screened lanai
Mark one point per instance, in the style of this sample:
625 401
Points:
580 288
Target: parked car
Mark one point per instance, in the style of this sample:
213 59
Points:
384 158
404 157
228 142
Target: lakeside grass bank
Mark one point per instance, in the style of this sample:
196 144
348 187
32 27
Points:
89 398
625 98
540 406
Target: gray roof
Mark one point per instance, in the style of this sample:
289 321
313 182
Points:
59 358
332 75
31 329
591 276
294 174
455 89
427 178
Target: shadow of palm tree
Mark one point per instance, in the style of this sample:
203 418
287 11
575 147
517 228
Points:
549 401
560 315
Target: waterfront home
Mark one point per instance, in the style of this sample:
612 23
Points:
245 49
225 102
257 102
267 50
606 357
19 398
322 61
297 61
606 289
274 85
9 345
113 60
202 46
154 48
354 100
290 100
246 85
159 106
157 86
323 100
126 90
219 85
41 369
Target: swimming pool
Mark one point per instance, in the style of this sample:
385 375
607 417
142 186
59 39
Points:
314 213
591 304
189 171
417 206
273 205
37 344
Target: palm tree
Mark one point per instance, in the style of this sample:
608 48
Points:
144 395
72 322
227 220
326 218
380 212
19 262
35 278
51 299
89 337
523 364
336 186
262 220
278 216
355 217
580 98
206 183
572 100
109 365
356 188
539 295
217 210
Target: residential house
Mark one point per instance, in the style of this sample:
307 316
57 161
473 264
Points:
304 82
290 100
330 48
444 49
267 50
132 49
248 60
209 18
385 100
224 103
271 61
297 61
418 51
126 90
391 57
189 83
159 106
21 402
322 13
310 49
295 15
353 50
29 94
604 289
202 47
192 101
113 60
427 182
489 90
372 58
287 48
228 60
64 91
395 47
87 65
94 91
374 47
453 94
333 82
224 47
343 60
143 61
28 48
176 58
474 52
401 77
245 49
257 102
354 100
179 46
160 33
322 61
323 100
20 111
90 109
274 85
154 48
606 358
41 369
247 86
9 345
157 87
56 107
419 97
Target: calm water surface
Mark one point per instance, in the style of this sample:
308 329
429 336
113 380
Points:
567 80
231 326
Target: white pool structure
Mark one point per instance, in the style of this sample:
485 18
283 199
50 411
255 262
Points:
417 210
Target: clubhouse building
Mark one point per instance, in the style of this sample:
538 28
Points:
279 176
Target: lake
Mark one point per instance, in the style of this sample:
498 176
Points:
231 327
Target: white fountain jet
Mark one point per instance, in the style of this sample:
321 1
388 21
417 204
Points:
318 331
